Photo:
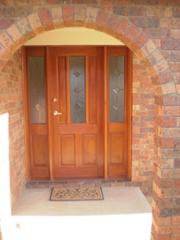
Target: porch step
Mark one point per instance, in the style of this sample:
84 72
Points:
116 227
123 214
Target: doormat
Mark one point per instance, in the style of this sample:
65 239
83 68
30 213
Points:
76 193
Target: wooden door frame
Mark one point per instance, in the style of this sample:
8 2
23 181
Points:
30 51
50 128
26 113
129 113
128 106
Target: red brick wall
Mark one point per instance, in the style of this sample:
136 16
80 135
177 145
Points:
11 101
151 28
143 127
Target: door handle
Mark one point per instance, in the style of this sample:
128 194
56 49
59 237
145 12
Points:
56 113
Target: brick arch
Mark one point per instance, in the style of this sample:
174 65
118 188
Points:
120 27
62 16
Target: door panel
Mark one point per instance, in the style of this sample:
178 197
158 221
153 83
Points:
61 89
39 151
75 83
37 113
117 109
92 89
89 149
67 150
40 148
116 147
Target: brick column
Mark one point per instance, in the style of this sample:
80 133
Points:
166 184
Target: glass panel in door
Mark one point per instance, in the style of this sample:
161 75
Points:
37 96
77 89
116 76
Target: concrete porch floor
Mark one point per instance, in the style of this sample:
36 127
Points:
117 200
123 214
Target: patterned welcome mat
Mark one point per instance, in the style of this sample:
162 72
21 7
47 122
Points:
76 193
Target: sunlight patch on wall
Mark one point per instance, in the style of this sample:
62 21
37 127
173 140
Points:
73 36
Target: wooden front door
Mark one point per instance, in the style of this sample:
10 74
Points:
75 92
79 111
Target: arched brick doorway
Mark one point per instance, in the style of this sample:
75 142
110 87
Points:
144 47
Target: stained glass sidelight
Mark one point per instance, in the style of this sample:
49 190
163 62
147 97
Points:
36 82
116 76
77 89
